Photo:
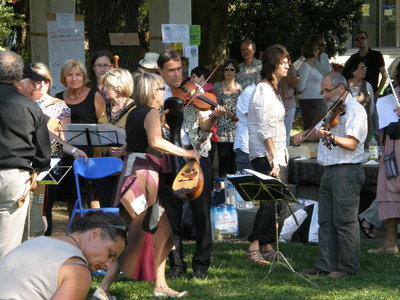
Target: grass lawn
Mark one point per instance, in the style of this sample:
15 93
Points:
231 277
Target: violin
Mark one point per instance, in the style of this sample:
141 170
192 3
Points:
189 94
331 120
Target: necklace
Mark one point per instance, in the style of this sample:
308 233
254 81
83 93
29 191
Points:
74 98
76 242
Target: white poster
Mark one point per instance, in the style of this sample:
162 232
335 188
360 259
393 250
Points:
175 33
64 44
192 52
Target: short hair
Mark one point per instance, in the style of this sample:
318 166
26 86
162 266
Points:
337 79
145 84
234 63
308 49
249 42
11 67
361 32
200 70
352 65
315 38
111 225
70 64
185 59
43 70
120 80
272 57
166 56
92 75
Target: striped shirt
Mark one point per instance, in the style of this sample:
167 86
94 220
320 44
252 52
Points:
352 123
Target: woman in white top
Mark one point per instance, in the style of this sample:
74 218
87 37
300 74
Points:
322 62
312 105
267 147
58 267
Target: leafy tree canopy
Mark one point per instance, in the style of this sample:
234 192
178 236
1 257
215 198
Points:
8 21
290 22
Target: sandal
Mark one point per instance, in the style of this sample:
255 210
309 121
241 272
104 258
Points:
368 231
168 292
100 294
256 257
268 254
384 250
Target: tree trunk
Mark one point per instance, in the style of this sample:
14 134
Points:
117 16
212 16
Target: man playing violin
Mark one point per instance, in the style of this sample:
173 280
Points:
193 134
339 190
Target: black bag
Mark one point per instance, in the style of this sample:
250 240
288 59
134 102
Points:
393 130
391 165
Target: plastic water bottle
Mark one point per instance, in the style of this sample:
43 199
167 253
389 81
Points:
373 149
230 193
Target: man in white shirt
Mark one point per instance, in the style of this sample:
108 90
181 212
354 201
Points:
341 182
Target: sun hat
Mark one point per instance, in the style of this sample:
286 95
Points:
149 61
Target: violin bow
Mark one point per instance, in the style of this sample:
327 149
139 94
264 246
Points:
201 86
396 100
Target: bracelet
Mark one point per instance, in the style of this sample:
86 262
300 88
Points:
74 150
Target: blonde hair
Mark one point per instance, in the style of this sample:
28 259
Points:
145 84
70 64
120 80
43 70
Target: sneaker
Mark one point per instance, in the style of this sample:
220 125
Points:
100 294
168 292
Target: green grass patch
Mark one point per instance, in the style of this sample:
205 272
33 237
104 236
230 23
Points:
232 277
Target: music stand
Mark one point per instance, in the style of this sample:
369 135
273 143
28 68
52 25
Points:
260 187
94 135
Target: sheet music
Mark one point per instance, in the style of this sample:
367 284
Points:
99 134
385 106
261 175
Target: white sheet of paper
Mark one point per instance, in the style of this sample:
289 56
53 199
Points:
181 32
167 31
260 175
192 52
65 20
385 106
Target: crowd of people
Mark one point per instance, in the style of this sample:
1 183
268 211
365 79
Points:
248 128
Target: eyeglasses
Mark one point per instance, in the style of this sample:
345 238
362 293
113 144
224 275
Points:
329 90
361 39
229 69
105 66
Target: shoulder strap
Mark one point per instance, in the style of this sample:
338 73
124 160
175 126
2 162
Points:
53 101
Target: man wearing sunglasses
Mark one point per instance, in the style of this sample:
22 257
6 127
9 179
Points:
339 190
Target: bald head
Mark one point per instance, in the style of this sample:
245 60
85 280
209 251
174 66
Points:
334 86
11 67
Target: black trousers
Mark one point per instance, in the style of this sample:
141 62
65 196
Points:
264 223
226 159
201 218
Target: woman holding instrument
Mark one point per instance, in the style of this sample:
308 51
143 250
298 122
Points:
150 236
267 147
228 92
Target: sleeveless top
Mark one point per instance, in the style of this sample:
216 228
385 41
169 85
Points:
84 112
30 270
136 136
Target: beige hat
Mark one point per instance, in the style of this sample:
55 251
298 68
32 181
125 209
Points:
149 61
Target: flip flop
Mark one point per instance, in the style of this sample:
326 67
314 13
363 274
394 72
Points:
368 231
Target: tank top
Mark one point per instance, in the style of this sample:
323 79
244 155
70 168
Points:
136 136
84 112
30 270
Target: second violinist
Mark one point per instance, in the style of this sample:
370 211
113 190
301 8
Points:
193 134
339 190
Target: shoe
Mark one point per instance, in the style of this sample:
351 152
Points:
268 254
368 231
199 274
338 273
314 272
100 294
168 292
175 273
384 250
256 257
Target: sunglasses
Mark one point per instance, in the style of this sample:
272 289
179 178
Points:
229 69
361 39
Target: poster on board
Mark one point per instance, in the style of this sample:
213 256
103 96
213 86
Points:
64 43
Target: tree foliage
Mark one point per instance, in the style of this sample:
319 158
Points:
8 21
290 22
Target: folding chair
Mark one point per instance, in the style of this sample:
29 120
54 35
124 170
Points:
95 168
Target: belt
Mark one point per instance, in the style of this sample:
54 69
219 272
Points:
345 164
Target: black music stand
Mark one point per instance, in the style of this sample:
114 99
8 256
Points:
260 187
94 135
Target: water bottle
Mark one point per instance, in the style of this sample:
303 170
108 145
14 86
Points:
229 193
373 149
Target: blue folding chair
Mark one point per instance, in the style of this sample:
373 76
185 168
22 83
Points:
95 168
